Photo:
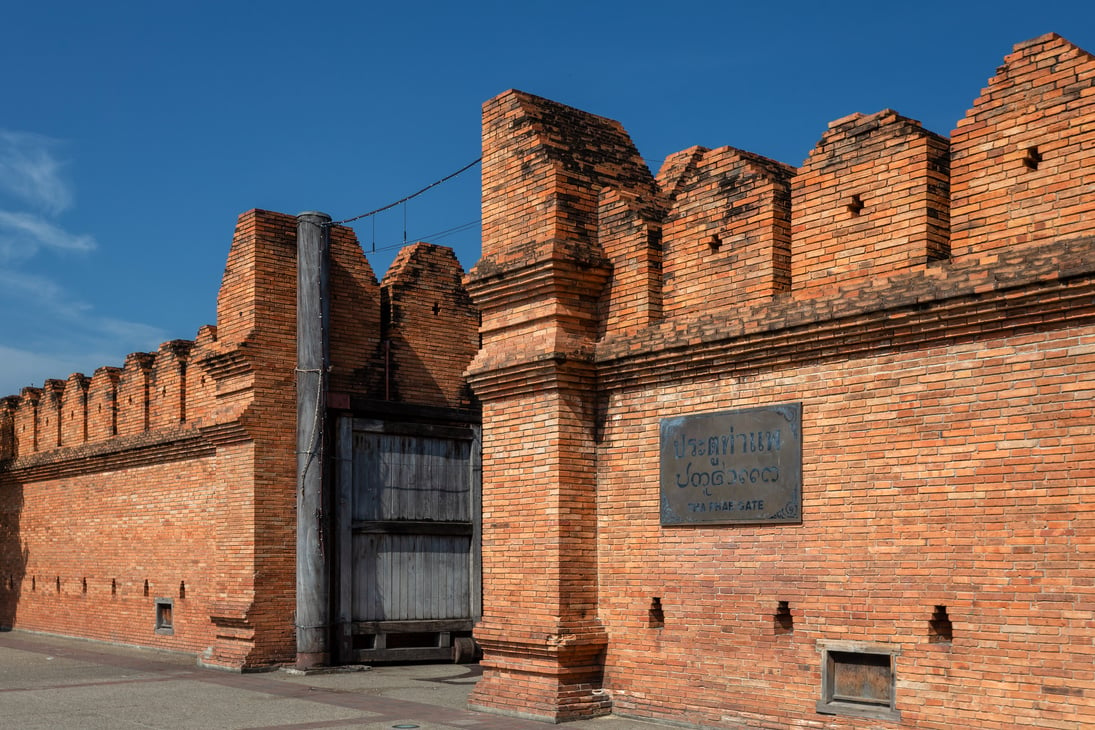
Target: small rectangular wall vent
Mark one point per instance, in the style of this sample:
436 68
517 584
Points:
858 679
165 623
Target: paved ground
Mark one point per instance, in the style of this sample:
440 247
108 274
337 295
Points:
49 682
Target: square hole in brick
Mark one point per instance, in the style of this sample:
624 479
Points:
855 205
1032 158
655 616
165 623
941 631
859 681
783 622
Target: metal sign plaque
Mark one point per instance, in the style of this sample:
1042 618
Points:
731 467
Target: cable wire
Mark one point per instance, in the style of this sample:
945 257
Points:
389 206
429 238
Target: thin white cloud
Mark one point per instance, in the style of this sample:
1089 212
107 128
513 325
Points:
55 335
23 368
23 234
45 296
49 332
39 294
31 172
32 193
142 336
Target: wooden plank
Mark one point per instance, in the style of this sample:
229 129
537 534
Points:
419 577
417 414
475 491
461 591
408 595
367 471
389 587
415 479
344 495
443 598
412 627
416 654
430 430
453 480
368 567
387 486
412 527
423 572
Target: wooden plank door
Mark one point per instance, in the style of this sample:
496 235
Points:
408 519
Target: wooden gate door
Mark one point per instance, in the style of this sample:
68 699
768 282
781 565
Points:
408 580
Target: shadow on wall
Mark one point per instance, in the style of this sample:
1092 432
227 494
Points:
407 378
13 554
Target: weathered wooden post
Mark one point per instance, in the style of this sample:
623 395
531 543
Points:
312 617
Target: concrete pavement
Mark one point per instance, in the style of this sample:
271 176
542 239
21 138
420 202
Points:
49 682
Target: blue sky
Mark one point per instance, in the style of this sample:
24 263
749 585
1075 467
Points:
133 134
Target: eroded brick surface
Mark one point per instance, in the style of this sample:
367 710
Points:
172 479
937 326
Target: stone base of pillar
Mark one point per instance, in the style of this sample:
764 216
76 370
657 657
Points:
552 674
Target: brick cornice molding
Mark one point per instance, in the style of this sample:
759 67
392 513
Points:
1039 287
556 666
571 277
227 364
558 298
157 447
225 434
125 452
552 371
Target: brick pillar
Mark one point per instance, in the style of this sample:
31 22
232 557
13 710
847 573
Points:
543 644
538 288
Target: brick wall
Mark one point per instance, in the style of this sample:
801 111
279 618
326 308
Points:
1022 155
164 480
173 477
946 391
870 200
430 327
539 288
727 236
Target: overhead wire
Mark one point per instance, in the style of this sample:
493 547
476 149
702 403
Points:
429 236
389 206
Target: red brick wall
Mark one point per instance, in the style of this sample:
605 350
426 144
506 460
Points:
726 237
174 477
631 238
539 288
165 479
134 389
73 414
102 404
355 317
1022 156
948 450
870 200
949 472
88 543
429 325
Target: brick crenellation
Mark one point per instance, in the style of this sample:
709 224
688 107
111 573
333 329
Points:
926 302
171 479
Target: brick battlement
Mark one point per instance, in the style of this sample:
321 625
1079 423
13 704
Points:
170 481
148 394
419 322
878 197
925 306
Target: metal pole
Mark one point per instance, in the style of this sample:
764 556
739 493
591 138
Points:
313 584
